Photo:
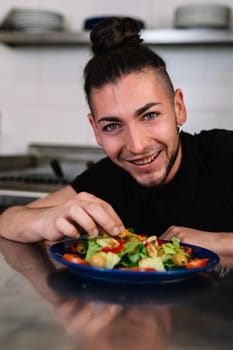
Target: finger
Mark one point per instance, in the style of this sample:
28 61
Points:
84 219
171 232
89 217
105 217
101 319
66 228
79 319
65 310
102 213
109 209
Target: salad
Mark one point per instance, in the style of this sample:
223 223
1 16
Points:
130 251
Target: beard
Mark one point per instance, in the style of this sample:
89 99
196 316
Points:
151 181
171 163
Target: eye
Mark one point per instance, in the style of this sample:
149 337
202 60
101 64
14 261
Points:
150 115
111 127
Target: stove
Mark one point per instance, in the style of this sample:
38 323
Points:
45 169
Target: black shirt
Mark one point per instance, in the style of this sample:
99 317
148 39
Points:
200 195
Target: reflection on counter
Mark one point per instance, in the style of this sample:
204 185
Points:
138 317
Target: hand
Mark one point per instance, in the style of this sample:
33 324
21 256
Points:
82 213
209 240
113 326
86 318
59 214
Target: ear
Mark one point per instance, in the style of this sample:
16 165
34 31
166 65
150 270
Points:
93 125
180 109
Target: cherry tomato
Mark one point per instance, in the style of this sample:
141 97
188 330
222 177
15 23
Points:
74 259
196 263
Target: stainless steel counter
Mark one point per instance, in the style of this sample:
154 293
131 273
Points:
44 305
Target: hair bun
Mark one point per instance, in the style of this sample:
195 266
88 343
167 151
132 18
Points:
115 32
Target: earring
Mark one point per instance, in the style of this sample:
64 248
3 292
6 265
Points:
179 128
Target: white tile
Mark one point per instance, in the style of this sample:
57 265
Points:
61 77
23 126
205 120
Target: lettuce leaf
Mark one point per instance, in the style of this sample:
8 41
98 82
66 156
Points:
155 263
92 248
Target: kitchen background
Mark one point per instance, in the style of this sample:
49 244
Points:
41 94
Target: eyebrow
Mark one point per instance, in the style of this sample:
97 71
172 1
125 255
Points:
108 119
138 112
143 109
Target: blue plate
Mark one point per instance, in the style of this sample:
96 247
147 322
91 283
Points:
57 250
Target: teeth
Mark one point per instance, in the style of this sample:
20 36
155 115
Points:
146 161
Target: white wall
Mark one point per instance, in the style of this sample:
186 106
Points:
41 95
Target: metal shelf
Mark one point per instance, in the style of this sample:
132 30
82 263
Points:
188 37
150 36
65 38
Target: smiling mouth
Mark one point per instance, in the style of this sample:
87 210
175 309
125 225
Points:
145 160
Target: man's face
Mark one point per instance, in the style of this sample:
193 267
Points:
135 121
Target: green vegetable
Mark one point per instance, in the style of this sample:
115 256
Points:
133 253
92 248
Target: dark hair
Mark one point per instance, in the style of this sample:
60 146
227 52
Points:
118 50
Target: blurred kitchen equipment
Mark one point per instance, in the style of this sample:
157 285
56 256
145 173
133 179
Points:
32 20
202 16
57 169
44 169
91 22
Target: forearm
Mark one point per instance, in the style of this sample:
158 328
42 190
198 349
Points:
223 243
63 213
220 242
21 224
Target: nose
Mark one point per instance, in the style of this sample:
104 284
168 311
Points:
136 139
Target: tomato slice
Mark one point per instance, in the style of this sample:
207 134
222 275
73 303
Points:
194 263
115 250
74 259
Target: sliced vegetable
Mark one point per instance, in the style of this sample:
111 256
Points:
116 249
194 263
74 258
109 242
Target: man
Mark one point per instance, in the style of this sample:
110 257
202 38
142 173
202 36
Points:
155 179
